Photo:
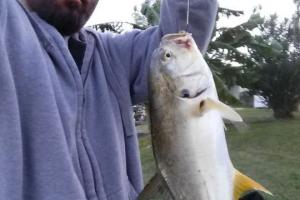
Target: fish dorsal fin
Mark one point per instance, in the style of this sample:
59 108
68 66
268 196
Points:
225 111
243 183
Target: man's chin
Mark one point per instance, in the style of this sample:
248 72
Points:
67 31
67 25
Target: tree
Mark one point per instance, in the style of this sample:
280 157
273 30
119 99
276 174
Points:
226 54
115 27
279 84
275 70
148 15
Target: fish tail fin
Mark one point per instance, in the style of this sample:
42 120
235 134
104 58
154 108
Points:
243 183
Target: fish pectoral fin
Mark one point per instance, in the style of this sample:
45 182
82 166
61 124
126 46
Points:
226 111
243 183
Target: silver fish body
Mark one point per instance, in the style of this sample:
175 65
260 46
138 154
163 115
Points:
188 137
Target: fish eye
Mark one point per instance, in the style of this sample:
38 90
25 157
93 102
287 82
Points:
165 54
168 54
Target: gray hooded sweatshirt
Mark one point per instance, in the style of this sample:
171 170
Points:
66 126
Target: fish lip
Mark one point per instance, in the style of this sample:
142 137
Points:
196 95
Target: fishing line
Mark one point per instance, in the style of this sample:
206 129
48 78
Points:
187 15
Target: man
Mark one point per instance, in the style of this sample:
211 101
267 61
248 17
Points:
66 95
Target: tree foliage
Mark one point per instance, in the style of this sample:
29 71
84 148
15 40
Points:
115 27
279 84
275 70
148 15
226 54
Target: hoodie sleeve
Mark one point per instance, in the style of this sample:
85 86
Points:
3 14
132 50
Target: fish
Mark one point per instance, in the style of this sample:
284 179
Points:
187 128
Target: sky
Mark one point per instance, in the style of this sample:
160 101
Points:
113 10
121 10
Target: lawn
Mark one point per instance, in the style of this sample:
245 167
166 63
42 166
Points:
268 151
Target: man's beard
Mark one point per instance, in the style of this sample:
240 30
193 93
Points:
65 23
66 17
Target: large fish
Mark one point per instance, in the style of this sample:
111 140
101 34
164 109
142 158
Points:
187 128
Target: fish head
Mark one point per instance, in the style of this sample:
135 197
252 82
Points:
182 66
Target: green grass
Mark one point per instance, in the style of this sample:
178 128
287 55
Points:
268 151
251 115
142 128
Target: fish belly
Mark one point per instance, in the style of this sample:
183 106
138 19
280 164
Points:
192 155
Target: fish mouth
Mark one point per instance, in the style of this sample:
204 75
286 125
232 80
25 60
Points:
185 94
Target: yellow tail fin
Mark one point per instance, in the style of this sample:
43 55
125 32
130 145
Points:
243 183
